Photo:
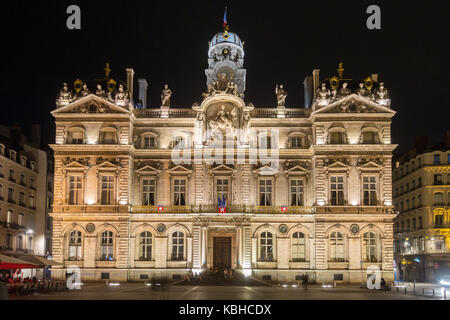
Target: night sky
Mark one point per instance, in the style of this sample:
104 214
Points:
167 42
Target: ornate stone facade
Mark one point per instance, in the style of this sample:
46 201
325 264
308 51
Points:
306 190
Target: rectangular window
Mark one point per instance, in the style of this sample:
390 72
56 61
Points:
77 137
149 142
109 137
337 191
222 189
370 191
337 138
296 188
438 179
439 220
420 223
419 201
31 183
11 175
369 138
75 189
22 199
296 142
148 192
1 192
438 199
9 217
22 180
32 205
11 195
179 189
265 192
20 219
107 196
437 159
419 182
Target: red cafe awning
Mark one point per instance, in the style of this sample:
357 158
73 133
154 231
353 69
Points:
7 262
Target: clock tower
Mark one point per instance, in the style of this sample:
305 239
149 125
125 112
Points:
226 55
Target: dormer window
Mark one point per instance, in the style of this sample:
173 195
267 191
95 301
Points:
76 136
337 137
23 160
33 165
370 137
149 142
296 142
108 136
179 142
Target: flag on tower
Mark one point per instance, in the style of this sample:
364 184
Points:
225 18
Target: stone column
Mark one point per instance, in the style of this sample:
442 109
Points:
204 246
239 256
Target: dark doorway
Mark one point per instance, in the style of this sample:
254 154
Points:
222 252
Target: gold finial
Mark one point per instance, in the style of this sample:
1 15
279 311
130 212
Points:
340 70
107 70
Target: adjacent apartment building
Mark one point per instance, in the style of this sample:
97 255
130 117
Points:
23 192
421 184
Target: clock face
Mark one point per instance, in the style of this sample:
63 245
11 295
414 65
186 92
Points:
225 51
161 227
283 228
354 228
228 71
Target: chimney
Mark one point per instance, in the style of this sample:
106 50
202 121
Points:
374 77
308 87
36 135
130 84
143 85
447 139
315 76
420 143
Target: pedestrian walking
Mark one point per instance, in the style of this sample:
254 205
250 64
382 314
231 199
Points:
305 282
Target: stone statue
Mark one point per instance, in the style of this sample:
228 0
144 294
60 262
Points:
246 117
281 95
382 96
323 95
100 92
166 94
362 91
121 97
344 91
232 88
84 91
199 128
65 96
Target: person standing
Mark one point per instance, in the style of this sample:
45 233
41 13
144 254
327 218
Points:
305 282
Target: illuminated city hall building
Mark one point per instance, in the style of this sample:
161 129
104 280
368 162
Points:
275 192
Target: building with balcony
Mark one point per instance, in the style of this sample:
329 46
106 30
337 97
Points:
272 191
23 179
421 184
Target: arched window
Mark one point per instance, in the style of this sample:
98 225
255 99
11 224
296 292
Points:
108 135
75 135
145 246
337 247
30 243
177 246
298 247
75 245
337 137
19 242
266 246
107 246
370 247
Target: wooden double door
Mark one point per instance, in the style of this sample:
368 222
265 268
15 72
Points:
222 252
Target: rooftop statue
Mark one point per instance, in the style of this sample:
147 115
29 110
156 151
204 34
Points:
362 91
65 96
121 97
84 91
382 96
166 94
344 91
100 92
323 95
281 95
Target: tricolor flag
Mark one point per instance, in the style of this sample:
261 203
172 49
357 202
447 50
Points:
225 18
222 204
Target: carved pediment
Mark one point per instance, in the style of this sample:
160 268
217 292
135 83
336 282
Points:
148 167
105 165
100 161
180 168
337 165
91 104
291 166
69 162
222 168
354 104
370 164
265 169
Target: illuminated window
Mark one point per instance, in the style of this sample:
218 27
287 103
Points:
177 246
265 192
370 247
438 220
437 159
266 246
296 142
222 188
149 142
75 247
370 137
107 246
420 223
336 138
438 179
148 192
107 195
145 246
370 191
337 190
20 219
296 188
75 190
298 247
438 199
337 247
179 190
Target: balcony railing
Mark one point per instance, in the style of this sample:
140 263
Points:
229 209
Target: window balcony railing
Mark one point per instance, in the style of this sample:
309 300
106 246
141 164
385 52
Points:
229 209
